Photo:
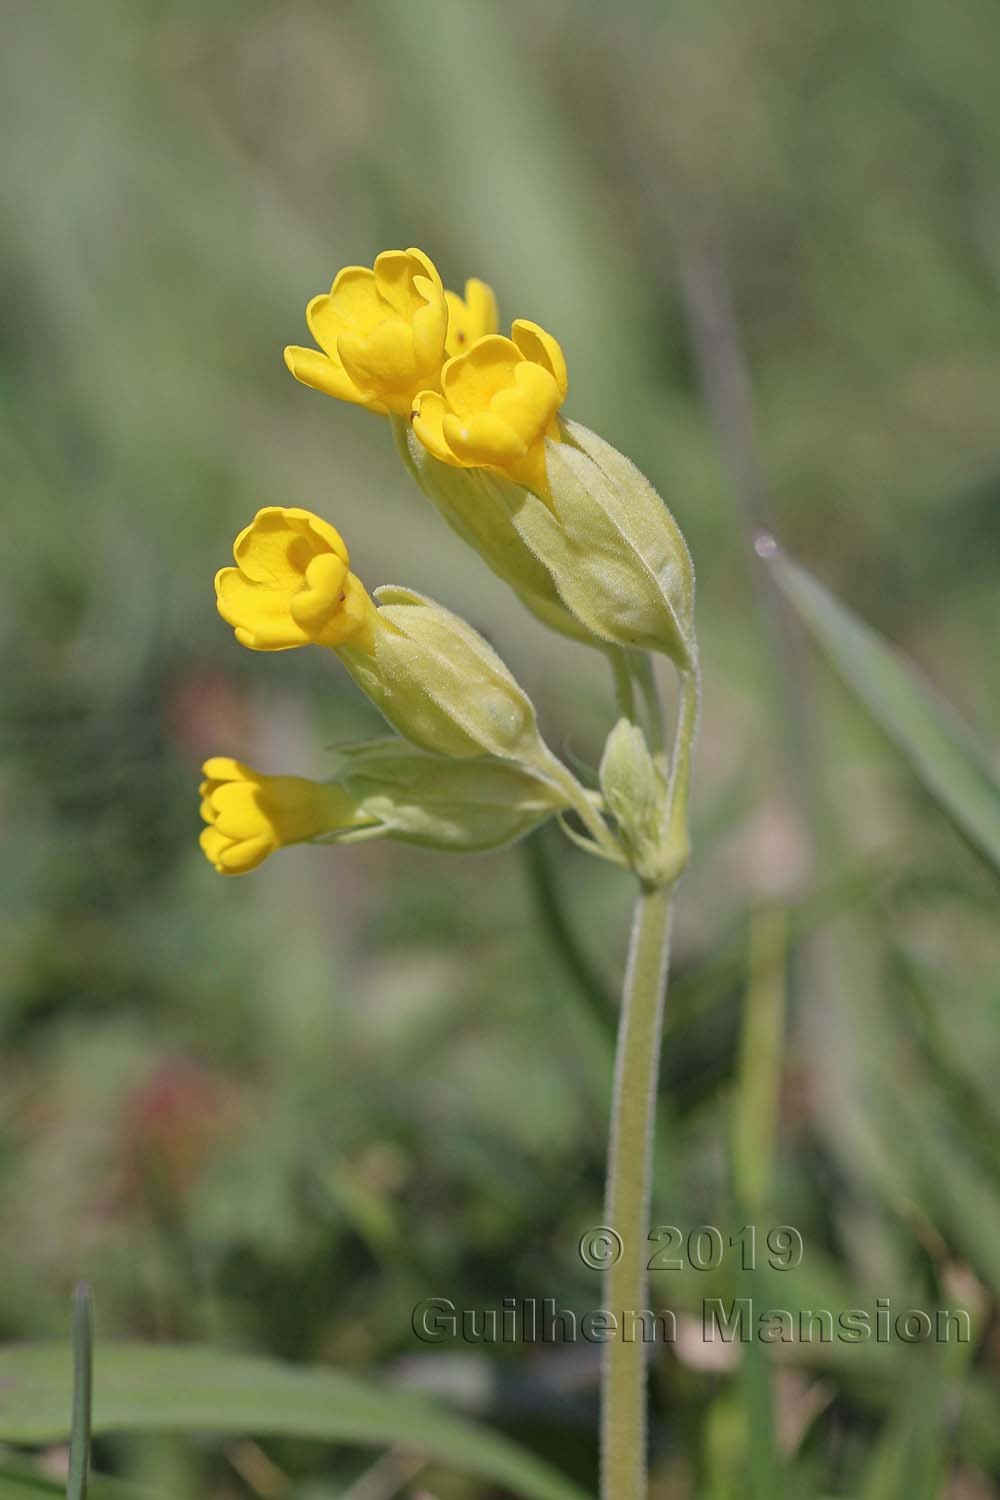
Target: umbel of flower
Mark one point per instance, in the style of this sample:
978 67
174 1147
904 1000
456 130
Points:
381 333
249 815
432 676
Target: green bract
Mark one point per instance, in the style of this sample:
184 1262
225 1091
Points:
635 792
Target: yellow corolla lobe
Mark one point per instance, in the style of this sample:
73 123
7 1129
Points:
497 405
249 814
292 585
381 333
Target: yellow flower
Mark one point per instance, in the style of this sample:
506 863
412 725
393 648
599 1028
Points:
249 815
470 318
428 672
497 405
292 585
381 332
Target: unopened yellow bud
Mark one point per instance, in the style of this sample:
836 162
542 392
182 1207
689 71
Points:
470 317
249 815
497 405
381 333
292 585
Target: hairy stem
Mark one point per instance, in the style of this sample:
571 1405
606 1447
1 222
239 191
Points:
633 1117
624 685
629 1183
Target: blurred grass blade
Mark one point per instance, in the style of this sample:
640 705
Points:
190 1390
83 1388
938 745
910 1459
20 1479
758 1097
754 1146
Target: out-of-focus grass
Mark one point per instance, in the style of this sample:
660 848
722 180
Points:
279 1111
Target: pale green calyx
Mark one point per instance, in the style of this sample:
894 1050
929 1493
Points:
615 553
453 805
478 505
441 685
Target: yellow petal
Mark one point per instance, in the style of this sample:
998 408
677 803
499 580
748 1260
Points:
239 812
428 325
281 541
272 550
352 302
240 859
383 360
540 347
260 616
528 404
356 620
213 843
407 279
471 380
428 414
320 595
485 439
225 768
320 373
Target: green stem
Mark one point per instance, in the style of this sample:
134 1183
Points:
651 698
624 685
584 808
688 714
630 1162
633 1117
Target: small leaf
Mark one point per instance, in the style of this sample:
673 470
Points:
938 745
178 1388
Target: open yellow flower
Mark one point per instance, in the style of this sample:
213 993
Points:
292 585
470 317
497 405
249 815
381 333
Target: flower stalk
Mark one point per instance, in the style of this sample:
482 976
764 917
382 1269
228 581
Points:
629 1180
629 1184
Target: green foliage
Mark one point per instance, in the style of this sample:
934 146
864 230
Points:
194 1390
934 740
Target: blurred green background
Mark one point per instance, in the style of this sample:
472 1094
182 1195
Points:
274 1113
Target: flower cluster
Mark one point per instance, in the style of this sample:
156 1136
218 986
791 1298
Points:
556 512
